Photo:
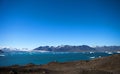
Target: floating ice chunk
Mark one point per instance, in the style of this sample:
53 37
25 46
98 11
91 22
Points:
110 53
91 52
118 51
92 57
2 55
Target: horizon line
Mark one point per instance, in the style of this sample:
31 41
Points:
55 46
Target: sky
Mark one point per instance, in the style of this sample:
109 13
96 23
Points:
33 23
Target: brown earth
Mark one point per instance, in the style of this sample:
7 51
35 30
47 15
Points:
105 65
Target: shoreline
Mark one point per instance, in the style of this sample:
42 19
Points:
52 58
103 65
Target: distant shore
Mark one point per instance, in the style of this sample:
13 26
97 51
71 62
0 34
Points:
104 65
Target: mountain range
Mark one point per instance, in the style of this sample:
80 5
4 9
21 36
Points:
82 48
66 48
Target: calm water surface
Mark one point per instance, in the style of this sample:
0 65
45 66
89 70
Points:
22 58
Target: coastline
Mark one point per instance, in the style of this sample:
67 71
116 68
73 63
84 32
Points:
104 65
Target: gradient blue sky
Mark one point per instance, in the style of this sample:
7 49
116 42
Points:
33 23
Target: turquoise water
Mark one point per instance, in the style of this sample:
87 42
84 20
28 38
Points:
22 58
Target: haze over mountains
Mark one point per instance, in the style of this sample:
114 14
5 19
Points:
82 48
67 48
9 49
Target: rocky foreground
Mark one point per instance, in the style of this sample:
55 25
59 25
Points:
105 65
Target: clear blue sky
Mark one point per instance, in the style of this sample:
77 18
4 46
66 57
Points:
33 23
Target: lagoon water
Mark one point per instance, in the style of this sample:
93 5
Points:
22 58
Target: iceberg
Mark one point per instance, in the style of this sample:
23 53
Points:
1 55
92 57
